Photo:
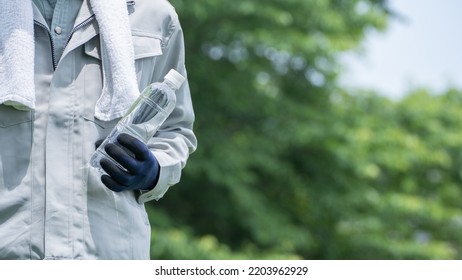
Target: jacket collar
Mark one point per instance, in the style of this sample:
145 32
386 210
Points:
80 36
83 15
38 17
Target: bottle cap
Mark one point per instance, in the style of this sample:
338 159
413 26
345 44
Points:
174 78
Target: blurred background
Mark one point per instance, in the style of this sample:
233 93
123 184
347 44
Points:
418 48
319 136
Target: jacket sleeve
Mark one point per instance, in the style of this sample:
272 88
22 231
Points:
175 140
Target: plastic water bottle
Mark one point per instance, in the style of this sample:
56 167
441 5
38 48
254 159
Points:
144 117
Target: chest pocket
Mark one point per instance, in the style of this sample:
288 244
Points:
147 48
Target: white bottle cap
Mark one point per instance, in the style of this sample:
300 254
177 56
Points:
174 78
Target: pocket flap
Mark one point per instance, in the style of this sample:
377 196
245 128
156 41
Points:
10 116
102 124
144 47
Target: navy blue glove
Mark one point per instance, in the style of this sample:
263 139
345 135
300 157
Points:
142 166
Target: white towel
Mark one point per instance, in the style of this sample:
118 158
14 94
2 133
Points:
16 54
120 87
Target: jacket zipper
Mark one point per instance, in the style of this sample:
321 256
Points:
85 22
80 25
77 27
53 56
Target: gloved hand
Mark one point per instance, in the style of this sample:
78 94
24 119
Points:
142 166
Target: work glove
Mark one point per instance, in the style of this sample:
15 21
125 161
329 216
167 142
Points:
142 168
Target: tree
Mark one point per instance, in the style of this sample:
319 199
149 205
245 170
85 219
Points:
289 165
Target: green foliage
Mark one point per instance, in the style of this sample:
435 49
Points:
403 163
291 167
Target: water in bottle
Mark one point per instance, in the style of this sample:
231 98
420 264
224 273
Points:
144 117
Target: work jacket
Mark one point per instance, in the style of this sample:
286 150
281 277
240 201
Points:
52 203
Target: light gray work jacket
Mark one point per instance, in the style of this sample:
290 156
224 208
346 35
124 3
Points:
52 204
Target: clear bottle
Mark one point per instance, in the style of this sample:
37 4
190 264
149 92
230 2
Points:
144 117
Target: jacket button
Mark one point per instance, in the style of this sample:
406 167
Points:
58 30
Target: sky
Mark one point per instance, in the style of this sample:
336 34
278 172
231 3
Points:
422 50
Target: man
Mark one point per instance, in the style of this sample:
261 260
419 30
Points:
69 69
